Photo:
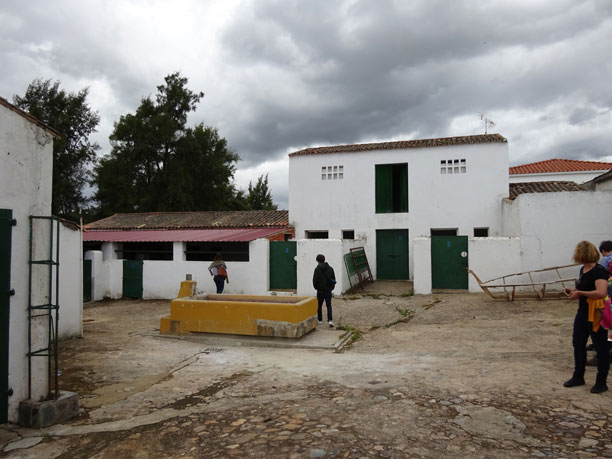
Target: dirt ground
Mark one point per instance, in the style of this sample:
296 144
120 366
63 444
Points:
428 376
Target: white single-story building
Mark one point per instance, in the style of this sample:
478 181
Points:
147 255
49 286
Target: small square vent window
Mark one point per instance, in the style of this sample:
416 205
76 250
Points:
453 166
332 172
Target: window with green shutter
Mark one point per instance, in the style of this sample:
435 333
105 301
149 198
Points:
391 188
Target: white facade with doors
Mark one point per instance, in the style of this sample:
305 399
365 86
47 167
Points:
388 194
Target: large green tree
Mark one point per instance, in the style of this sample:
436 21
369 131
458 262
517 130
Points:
73 153
158 163
259 196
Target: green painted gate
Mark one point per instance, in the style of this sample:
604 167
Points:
392 254
132 278
449 262
86 280
6 227
283 267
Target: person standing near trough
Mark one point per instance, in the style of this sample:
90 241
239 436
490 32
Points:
590 290
324 281
218 270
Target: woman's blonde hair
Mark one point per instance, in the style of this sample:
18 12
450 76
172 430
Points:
585 252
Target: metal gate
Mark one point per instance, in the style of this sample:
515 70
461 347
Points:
392 254
132 278
449 262
6 227
283 267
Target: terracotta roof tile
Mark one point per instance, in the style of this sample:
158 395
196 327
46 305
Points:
193 220
559 165
421 143
543 187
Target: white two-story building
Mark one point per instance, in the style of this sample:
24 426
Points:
387 194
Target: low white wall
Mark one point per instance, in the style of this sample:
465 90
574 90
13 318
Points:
551 224
422 259
492 257
70 283
307 251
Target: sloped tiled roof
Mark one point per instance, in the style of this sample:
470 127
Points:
29 117
543 187
193 220
421 143
559 165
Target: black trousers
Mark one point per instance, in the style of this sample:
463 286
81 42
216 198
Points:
324 295
582 330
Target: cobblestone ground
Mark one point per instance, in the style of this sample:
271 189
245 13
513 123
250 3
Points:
430 376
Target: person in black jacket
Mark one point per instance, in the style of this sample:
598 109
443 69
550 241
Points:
324 281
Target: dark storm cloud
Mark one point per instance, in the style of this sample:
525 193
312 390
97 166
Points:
280 75
374 70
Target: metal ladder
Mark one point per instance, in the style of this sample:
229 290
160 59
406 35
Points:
48 310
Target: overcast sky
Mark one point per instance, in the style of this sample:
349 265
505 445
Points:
282 75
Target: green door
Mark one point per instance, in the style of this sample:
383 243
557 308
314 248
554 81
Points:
392 254
132 278
283 267
449 262
6 227
86 280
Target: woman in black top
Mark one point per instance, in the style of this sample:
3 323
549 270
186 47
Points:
592 285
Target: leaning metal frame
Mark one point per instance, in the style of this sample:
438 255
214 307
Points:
532 289
49 310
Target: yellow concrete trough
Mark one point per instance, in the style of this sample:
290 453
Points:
256 315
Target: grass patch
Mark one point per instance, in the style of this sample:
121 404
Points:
409 293
355 333
406 316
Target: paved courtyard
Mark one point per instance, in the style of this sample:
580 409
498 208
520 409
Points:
442 375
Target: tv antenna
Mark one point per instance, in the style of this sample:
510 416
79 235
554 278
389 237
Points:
487 122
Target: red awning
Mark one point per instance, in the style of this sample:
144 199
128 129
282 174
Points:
203 235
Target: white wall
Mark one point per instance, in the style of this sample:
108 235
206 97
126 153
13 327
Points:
25 187
162 279
71 282
491 258
551 224
461 201
334 251
574 176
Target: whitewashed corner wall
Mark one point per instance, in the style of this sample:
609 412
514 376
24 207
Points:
25 175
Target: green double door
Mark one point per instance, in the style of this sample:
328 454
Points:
449 262
132 278
392 254
283 267
6 227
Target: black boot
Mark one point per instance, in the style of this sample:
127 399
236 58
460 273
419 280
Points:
574 381
598 388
